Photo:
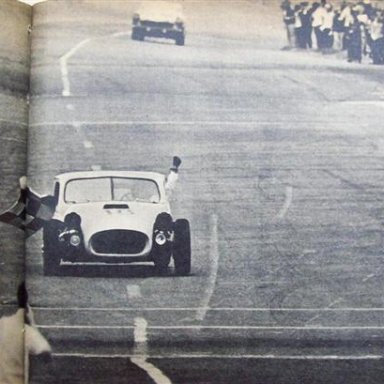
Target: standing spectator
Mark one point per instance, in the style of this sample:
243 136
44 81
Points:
298 27
364 21
376 38
354 40
305 17
347 19
327 28
338 31
317 21
369 10
289 21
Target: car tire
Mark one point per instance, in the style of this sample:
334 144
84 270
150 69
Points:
51 249
180 39
182 247
51 264
137 35
161 259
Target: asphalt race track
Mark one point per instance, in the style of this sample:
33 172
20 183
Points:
282 181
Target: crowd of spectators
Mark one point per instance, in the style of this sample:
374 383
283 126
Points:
356 27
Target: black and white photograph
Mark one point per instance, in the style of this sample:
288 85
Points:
192 192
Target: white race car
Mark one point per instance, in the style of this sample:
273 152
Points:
115 217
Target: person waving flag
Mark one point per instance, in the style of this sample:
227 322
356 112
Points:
30 211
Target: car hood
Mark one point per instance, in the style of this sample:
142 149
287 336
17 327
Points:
137 216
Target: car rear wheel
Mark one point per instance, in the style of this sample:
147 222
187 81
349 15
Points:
182 248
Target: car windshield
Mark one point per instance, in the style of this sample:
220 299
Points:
111 189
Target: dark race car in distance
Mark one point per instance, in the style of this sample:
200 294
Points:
159 19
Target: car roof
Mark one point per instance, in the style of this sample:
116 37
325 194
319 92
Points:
157 177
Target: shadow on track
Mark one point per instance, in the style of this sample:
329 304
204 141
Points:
112 271
116 271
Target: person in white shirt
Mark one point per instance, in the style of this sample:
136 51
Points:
346 15
173 176
364 21
376 38
298 26
19 338
327 28
289 21
347 20
317 21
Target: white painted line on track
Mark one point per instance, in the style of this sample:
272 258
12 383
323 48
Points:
76 124
377 103
337 301
153 372
190 122
64 66
211 309
369 277
64 62
214 260
255 123
211 123
217 356
140 331
140 355
319 314
15 122
133 291
287 203
118 34
88 144
218 327
12 139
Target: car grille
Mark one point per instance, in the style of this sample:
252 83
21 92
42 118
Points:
118 242
155 24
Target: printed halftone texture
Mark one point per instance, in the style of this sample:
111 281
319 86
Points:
29 212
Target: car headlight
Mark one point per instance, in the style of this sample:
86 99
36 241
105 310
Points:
160 238
75 240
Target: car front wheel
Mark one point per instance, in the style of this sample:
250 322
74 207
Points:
51 249
180 39
137 35
51 263
161 259
182 247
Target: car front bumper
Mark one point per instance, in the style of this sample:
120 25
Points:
153 31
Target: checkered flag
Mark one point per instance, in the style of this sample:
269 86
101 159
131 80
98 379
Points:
30 211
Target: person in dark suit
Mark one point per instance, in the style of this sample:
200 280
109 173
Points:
306 25
354 42
289 21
